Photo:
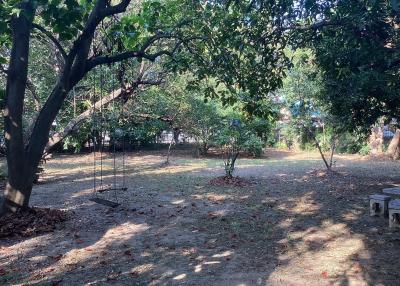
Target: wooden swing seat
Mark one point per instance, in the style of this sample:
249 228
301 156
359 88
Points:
107 188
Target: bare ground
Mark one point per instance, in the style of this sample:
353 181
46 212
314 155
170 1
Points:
296 225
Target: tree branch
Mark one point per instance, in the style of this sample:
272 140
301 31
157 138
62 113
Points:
116 9
52 38
109 59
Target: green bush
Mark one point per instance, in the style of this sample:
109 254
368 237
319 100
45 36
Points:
254 146
281 145
350 143
365 150
307 147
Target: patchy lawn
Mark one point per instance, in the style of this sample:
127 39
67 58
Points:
295 225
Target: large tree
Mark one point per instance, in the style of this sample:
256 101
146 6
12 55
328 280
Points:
356 45
72 28
237 43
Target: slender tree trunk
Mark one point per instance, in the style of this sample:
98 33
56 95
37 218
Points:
328 167
333 149
169 151
311 134
394 145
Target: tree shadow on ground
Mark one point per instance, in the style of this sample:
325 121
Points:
300 228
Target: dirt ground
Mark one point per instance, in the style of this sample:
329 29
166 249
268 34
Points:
295 225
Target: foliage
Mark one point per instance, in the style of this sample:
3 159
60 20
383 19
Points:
364 150
236 137
300 97
253 145
359 58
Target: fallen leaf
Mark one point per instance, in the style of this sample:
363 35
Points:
324 274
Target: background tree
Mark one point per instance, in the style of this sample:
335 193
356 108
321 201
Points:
356 48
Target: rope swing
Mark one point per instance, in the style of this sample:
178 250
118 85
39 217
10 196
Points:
106 194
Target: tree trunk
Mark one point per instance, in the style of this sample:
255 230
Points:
393 148
376 139
328 167
169 151
333 149
20 176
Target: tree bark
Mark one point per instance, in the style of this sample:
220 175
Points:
393 148
328 167
20 177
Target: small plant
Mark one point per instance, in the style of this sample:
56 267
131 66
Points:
230 142
365 150
235 138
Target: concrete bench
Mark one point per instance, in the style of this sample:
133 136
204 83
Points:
394 213
378 205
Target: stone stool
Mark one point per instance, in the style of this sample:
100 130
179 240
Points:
394 213
378 205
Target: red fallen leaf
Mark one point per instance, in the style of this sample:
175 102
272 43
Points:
2 272
88 249
79 241
324 274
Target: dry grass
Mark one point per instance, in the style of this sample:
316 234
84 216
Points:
296 226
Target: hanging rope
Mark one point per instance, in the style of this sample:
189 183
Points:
98 132
94 130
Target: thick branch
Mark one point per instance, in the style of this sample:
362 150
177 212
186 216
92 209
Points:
100 60
76 122
116 9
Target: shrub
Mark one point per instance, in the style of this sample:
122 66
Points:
254 146
365 150
281 145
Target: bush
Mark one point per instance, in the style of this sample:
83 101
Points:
365 150
254 146
307 147
350 143
281 145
